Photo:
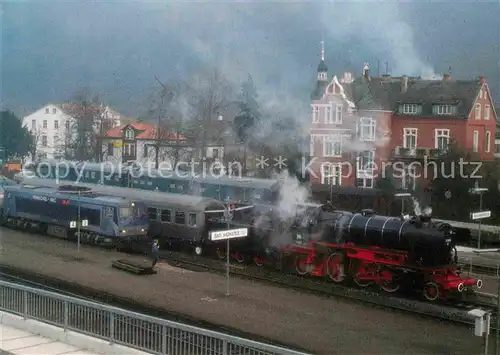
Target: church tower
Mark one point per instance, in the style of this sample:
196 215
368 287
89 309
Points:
322 68
322 76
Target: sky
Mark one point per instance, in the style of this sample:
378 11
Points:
52 49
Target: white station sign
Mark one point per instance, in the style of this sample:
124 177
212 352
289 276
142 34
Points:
229 234
480 215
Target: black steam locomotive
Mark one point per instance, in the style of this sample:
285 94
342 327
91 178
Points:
373 249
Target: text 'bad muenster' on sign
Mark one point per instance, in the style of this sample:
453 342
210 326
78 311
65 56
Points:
229 234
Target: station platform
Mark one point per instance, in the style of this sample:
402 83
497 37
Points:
489 258
20 342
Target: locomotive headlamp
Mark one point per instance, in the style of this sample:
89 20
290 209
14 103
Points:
132 204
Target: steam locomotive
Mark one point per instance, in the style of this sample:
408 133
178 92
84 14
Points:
371 249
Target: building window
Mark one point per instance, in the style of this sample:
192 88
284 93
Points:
410 138
486 112
129 149
441 139
67 124
180 217
477 113
311 145
332 146
47 110
366 182
445 109
331 174
215 153
44 141
315 114
487 141
129 133
366 161
367 129
110 149
45 124
33 125
145 151
56 124
409 178
475 142
409 109
338 113
54 111
328 114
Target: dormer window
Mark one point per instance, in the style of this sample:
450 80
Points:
445 109
47 110
409 109
129 133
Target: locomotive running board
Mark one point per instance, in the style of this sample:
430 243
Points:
138 268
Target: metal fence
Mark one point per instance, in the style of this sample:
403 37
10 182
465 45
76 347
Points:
123 327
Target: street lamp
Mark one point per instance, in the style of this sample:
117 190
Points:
481 214
402 195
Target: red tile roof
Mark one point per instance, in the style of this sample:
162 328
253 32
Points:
147 131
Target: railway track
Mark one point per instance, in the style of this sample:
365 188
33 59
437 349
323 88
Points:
454 313
397 302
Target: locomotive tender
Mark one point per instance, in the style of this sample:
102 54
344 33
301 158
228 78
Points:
113 221
388 251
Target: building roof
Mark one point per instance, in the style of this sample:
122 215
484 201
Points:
378 93
386 93
145 131
463 93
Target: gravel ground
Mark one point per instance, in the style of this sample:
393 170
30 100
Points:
322 325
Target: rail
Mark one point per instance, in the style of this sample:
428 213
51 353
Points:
118 326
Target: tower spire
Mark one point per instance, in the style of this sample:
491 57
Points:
322 50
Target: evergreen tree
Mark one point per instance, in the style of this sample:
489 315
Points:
16 139
248 115
451 182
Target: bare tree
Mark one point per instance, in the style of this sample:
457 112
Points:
169 141
88 125
35 135
209 94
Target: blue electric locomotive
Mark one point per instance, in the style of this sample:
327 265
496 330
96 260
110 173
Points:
99 218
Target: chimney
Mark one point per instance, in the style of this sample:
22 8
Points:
404 84
446 76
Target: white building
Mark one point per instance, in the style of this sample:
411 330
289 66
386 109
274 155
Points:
50 125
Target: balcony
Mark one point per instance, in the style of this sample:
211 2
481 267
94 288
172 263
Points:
417 153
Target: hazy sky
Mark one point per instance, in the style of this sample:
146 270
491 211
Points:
50 49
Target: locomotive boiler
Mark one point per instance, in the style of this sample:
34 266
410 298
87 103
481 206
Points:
427 243
387 251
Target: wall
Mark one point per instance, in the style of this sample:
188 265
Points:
50 132
481 125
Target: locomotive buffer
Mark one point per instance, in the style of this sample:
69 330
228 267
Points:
227 235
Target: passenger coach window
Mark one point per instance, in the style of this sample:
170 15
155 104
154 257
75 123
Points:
180 217
152 213
192 219
166 215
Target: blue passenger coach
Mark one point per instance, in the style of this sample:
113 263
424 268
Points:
111 220
234 189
